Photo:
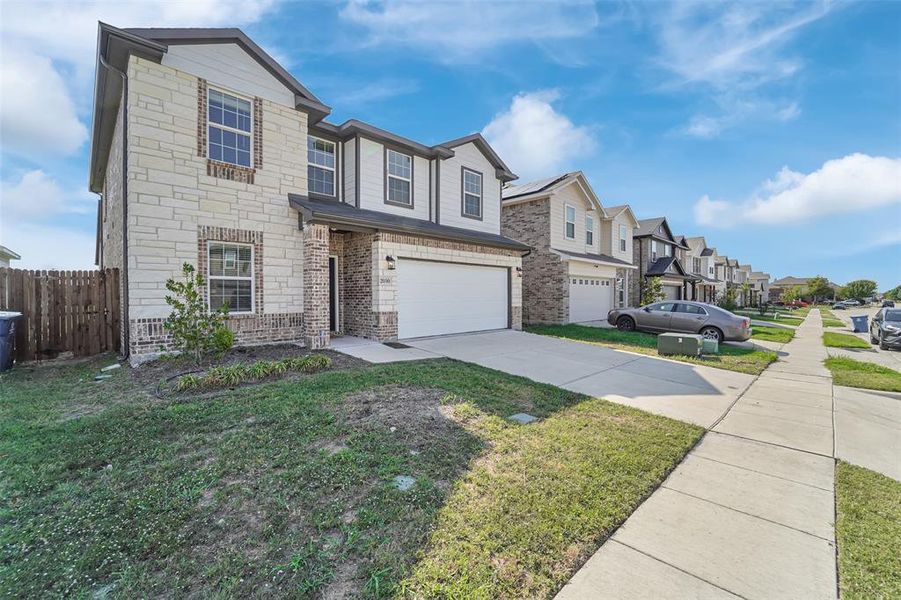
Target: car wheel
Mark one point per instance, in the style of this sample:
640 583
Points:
712 333
873 340
882 344
625 324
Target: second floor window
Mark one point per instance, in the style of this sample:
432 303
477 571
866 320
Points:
653 249
399 178
472 194
229 128
570 226
696 263
622 238
320 166
667 250
589 230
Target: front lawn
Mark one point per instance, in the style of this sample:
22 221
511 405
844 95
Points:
833 339
772 334
855 373
731 358
780 319
868 532
288 488
833 323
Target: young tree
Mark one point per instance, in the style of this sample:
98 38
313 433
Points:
195 329
651 290
819 288
860 289
894 293
727 301
791 294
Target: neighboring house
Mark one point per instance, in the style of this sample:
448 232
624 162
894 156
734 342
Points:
656 254
760 287
699 261
743 276
781 285
7 255
206 151
581 259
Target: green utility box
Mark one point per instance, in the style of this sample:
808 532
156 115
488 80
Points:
710 347
679 343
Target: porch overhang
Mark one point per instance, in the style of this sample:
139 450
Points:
597 259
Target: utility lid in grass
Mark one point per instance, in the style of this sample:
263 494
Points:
404 482
523 418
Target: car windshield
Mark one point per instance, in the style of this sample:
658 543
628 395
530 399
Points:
892 315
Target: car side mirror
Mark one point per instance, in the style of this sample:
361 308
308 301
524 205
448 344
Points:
646 309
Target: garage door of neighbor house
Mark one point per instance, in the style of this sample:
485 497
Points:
590 298
435 298
671 292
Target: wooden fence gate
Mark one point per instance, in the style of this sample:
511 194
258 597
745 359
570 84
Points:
64 311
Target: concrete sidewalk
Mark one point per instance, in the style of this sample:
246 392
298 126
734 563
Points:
750 512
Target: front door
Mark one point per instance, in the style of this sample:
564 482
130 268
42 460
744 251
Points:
333 293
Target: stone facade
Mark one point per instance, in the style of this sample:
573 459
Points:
546 297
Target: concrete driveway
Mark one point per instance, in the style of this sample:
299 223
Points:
696 394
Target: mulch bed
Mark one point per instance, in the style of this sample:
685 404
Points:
150 375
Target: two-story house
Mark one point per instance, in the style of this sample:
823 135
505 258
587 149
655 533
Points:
656 254
581 257
207 151
699 261
743 281
759 283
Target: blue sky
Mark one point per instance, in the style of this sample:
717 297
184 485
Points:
772 129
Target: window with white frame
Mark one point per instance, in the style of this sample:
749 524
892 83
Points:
472 194
570 227
230 276
667 250
653 249
589 230
320 166
622 238
229 128
696 264
399 178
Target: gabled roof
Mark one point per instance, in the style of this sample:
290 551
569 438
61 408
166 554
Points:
115 45
353 127
708 251
340 213
651 227
615 211
503 172
662 265
546 187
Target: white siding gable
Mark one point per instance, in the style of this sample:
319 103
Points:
622 219
451 191
573 195
228 66
350 166
372 182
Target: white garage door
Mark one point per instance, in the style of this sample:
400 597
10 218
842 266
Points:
671 292
436 298
590 298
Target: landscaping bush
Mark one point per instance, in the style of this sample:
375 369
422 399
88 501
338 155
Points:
195 329
236 374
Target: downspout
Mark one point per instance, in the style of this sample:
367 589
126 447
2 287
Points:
126 342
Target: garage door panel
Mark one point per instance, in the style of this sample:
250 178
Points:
590 298
440 298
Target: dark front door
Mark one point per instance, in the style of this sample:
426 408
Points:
333 293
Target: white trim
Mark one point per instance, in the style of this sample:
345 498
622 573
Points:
589 230
234 130
623 239
334 169
252 277
388 177
599 261
567 221
465 193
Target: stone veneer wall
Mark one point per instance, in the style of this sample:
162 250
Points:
172 196
111 234
545 293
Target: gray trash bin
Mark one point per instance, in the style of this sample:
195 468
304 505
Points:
860 324
8 338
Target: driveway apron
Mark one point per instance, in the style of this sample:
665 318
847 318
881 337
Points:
750 512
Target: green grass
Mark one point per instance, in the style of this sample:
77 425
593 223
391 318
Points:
833 323
781 319
855 373
772 334
285 488
731 358
833 339
868 532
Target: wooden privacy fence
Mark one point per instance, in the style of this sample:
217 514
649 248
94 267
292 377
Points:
64 311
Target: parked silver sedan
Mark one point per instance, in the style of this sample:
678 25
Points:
683 316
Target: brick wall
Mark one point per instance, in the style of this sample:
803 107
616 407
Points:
316 286
357 284
545 287
641 255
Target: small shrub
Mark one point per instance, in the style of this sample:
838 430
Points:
223 340
193 326
236 374
309 363
260 369
188 382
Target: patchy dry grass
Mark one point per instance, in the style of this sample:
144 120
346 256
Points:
868 531
731 358
286 488
855 373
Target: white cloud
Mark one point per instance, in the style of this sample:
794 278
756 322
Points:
854 183
534 139
468 28
36 196
737 52
37 116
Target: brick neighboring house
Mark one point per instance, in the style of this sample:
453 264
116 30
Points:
656 253
781 285
581 260
205 150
